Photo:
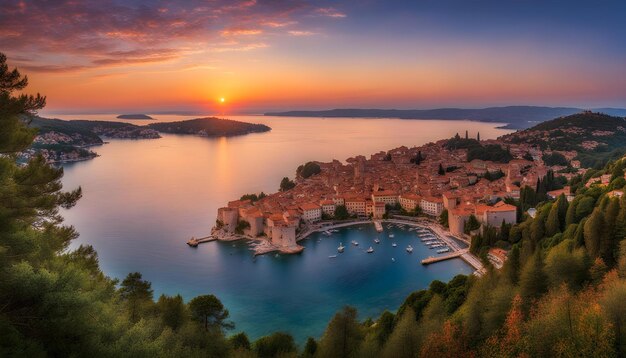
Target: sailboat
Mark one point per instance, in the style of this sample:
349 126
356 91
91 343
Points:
370 250
340 248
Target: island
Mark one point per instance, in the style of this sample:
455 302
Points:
134 116
210 127
516 117
457 187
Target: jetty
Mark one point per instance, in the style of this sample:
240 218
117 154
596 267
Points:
432 260
378 226
194 242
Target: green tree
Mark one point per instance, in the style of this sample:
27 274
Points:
593 231
533 280
553 226
308 169
137 293
564 264
275 345
172 310
343 335
443 218
341 212
286 184
240 341
310 348
209 311
512 265
562 207
404 341
471 224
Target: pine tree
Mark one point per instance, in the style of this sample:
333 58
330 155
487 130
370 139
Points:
404 341
343 335
441 170
466 134
478 136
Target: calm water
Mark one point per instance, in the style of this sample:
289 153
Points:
142 199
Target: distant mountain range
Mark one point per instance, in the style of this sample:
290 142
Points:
517 117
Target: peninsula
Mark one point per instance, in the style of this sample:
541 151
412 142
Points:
63 141
463 183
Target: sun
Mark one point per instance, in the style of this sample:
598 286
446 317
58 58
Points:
222 99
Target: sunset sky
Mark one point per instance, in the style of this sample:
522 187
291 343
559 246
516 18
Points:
108 55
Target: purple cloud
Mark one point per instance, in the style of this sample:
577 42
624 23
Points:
69 35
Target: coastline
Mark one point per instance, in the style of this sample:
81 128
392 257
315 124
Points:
262 246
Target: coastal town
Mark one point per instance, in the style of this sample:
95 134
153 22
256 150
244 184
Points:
423 182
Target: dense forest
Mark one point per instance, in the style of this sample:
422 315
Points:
560 293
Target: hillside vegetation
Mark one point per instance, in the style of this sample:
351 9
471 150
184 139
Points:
596 137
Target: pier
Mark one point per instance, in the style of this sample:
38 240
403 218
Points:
194 242
432 259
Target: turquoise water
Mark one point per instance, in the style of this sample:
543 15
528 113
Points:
300 293
143 199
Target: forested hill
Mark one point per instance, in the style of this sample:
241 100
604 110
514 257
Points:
597 137
515 116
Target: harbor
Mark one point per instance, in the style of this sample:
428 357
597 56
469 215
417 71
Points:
431 235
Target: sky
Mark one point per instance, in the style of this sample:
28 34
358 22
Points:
163 55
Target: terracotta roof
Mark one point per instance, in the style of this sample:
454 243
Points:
309 206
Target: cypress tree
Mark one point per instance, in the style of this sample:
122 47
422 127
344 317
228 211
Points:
570 215
553 225
562 206
533 280
593 231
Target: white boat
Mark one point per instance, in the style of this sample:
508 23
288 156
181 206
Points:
409 249
391 236
377 241
340 248
393 260
332 256
442 251
355 243
327 233
394 244
370 250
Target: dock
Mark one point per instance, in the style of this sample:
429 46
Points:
194 242
432 259
378 226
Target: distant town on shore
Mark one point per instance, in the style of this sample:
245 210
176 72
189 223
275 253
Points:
464 183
